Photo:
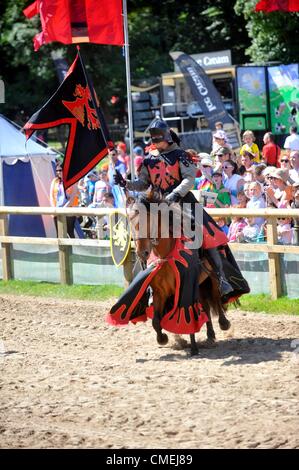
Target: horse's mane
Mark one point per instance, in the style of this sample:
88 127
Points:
152 197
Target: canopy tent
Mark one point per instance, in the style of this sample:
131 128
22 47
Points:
26 172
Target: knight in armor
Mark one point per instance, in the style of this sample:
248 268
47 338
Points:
172 172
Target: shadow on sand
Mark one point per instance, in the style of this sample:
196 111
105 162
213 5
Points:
237 351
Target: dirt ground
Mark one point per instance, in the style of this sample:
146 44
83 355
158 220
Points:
69 380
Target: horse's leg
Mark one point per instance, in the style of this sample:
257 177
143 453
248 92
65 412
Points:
158 304
194 348
224 323
210 329
211 337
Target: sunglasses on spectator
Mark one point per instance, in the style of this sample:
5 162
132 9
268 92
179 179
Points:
206 166
227 166
285 160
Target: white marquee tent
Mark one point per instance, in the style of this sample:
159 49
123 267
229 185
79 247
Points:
26 172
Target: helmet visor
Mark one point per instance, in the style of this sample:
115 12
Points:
157 135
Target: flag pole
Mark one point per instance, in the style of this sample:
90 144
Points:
98 110
129 96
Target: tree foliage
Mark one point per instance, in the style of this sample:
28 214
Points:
155 29
274 36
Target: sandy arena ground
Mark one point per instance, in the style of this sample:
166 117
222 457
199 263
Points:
68 380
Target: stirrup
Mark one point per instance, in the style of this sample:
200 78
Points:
224 287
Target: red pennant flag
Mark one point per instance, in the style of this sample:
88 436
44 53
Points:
31 10
72 21
277 5
88 137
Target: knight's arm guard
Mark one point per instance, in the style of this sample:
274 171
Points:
140 184
188 176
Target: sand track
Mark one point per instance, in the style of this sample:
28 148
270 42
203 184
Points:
67 379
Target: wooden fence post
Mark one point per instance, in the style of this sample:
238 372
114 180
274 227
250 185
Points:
273 259
66 271
6 250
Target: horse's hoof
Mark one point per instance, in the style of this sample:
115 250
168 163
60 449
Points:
207 344
224 324
162 339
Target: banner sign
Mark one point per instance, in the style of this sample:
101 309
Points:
284 97
202 89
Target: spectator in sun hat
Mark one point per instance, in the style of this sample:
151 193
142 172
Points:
202 155
222 154
219 140
205 183
280 194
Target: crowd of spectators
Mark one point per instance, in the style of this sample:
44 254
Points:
254 178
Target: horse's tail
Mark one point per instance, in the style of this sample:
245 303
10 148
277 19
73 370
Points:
210 294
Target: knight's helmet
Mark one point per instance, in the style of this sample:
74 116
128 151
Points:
160 132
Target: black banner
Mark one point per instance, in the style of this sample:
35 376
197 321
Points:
202 89
72 104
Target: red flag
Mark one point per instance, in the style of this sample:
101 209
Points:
71 21
277 5
31 10
71 104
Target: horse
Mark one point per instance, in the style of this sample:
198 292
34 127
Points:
163 284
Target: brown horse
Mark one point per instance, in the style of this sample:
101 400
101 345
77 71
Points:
163 283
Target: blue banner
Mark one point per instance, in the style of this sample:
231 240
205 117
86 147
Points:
202 89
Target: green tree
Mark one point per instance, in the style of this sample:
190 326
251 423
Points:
274 36
155 28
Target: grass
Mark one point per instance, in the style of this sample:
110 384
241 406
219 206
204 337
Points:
45 289
264 304
251 303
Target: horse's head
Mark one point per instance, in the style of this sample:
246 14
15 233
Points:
148 220
139 217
